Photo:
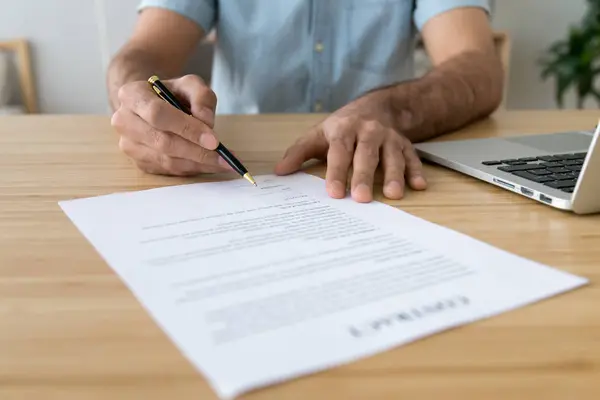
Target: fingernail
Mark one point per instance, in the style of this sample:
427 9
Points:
208 141
419 181
338 189
393 190
362 192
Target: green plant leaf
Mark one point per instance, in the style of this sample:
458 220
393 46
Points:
584 85
569 66
562 84
574 61
558 48
549 66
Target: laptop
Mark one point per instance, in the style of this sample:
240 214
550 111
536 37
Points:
558 169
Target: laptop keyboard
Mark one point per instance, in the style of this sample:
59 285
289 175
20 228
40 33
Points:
559 171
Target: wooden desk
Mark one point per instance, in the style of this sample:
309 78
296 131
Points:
70 330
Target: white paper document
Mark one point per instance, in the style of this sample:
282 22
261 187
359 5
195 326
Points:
259 285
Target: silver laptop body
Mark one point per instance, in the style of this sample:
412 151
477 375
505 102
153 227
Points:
561 169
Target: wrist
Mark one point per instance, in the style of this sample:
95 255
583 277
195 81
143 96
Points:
379 101
403 100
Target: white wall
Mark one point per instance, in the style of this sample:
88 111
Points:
533 26
66 55
73 40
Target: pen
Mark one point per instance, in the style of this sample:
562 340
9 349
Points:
161 90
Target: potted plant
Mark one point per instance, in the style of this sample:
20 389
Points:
574 62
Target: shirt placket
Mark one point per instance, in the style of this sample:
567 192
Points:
321 57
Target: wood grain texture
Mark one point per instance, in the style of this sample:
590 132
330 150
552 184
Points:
70 329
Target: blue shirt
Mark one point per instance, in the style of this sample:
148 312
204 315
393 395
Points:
308 55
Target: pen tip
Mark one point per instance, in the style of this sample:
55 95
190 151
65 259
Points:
250 179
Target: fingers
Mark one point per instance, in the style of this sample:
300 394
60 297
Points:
138 98
339 159
401 164
201 99
311 146
393 164
366 160
153 162
414 168
140 135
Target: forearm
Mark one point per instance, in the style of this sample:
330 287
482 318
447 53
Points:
456 93
132 65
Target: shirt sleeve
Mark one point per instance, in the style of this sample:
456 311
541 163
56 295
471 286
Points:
203 12
427 9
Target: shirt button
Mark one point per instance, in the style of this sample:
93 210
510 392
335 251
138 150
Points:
319 47
318 106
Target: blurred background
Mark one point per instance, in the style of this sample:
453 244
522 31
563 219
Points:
54 53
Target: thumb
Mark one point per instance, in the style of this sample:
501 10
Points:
313 145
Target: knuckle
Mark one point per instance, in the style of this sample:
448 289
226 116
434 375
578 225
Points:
344 124
397 142
343 142
392 153
149 168
369 146
203 157
124 146
398 152
372 126
129 148
122 92
207 158
192 80
369 149
167 163
410 152
362 176
127 91
117 119
405 142
337 172
206 95
337 125
151 112
371 131
416 162
188 132
162 142
179 167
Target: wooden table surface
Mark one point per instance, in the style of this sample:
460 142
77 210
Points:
70 329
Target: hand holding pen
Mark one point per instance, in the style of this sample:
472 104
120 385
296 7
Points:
161 139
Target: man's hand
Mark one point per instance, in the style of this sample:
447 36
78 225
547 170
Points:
164 140
464 85
360 135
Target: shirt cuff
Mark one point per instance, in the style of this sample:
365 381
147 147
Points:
201 12
427 9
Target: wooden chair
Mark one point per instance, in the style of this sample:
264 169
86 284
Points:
20 48
503 48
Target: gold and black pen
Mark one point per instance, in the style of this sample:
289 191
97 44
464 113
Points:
161 90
